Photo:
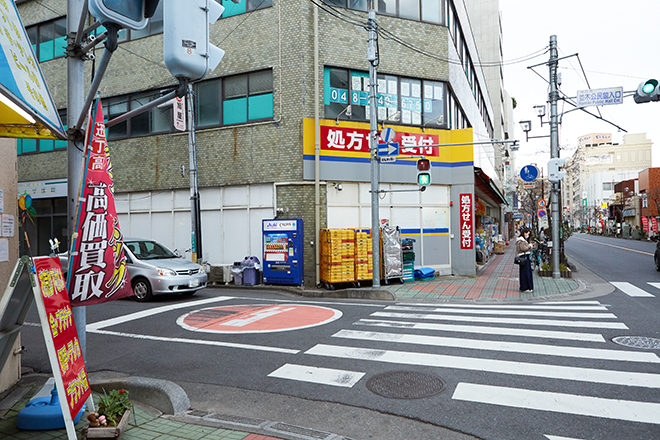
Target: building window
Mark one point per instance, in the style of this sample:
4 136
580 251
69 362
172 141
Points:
50 221
410 101
247 97
28 146
48 39
155 120
424 10
608 186
244 6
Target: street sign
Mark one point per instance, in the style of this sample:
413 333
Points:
390 149
608 96
387 135
541 203
518 216
584 202
529 173
542 213
179 114
529 186
385 159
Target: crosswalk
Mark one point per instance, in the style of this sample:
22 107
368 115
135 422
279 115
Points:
634 291
469 337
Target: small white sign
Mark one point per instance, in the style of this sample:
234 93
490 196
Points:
609 96
7 225
2 200
4 249
387 159
179 114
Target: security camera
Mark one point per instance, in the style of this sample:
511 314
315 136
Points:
339 187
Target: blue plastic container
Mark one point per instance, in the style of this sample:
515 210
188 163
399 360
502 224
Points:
44 413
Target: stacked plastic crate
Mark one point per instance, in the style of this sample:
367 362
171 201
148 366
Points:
408 259
337 255
364 258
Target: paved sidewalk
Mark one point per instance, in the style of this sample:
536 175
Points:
496 281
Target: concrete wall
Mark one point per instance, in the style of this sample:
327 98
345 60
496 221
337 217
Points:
11 372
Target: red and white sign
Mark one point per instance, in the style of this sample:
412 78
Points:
645 223
61 335
654 224
357 140
179 114
466 221
98 267
267 318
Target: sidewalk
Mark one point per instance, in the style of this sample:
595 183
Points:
495 281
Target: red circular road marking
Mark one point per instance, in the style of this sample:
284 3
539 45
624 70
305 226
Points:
266 318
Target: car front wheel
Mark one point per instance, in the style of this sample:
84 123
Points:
142 290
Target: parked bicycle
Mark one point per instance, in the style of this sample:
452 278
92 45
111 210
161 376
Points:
539 255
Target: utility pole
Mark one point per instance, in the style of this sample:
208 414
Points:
554 153
372 57
195 211
76 9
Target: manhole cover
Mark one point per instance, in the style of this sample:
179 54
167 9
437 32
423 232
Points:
638 342
406 385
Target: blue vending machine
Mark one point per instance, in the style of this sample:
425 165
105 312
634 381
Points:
283 251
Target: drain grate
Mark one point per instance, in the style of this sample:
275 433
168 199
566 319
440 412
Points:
406 385
638 342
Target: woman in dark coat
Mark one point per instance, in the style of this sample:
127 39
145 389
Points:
524 248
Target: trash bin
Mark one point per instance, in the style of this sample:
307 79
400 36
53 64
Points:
251 266
237 273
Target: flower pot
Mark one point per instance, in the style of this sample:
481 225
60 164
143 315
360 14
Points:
113 432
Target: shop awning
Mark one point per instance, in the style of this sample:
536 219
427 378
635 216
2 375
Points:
487 187
26 107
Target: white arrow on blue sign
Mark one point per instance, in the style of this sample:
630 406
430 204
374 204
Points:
391 149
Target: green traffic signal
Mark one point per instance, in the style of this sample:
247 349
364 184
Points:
647 91
423 179
650 86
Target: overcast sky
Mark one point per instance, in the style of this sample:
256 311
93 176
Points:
617 45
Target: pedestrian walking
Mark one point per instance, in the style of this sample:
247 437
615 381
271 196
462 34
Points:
523 248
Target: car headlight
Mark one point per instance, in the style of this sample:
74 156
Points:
202 269
165 272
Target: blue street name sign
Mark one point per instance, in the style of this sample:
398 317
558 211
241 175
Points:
529 173
391 149
609 96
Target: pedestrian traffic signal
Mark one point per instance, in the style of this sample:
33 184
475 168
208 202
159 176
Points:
554 175
647 91
132 14
423 173
187 51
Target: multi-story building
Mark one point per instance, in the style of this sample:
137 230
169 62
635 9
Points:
275 111
596 166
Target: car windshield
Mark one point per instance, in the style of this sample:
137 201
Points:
149 250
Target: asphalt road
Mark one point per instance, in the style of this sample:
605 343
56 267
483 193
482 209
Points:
501 379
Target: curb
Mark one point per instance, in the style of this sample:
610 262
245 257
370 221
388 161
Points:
165 396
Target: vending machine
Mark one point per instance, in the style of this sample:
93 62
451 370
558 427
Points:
283 251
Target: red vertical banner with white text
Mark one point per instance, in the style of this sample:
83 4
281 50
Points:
645 223
60 333
97 268
466 220
654 224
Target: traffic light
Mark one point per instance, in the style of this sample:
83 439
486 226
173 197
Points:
186 47
647 91
554 175
133 14
423 173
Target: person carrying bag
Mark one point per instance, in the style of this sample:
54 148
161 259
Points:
523 251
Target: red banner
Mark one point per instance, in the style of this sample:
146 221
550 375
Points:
645 223
98 272
62 332
654 224
467 221
357 140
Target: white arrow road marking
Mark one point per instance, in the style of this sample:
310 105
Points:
515 347
631 290
644 412
516 321
556 437
627 378
324 376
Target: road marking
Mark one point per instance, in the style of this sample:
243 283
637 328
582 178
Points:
550 306
631 290
508 312
573 336
518 321
627 378
656 285
324 376
615 246
556 437
513 347
196 341
644 412
155 311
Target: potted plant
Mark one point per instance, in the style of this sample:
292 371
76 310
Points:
111 419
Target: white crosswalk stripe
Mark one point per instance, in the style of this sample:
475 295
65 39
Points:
406 327
631 290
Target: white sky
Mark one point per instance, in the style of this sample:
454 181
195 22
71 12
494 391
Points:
617 43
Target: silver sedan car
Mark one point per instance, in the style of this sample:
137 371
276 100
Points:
154 270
